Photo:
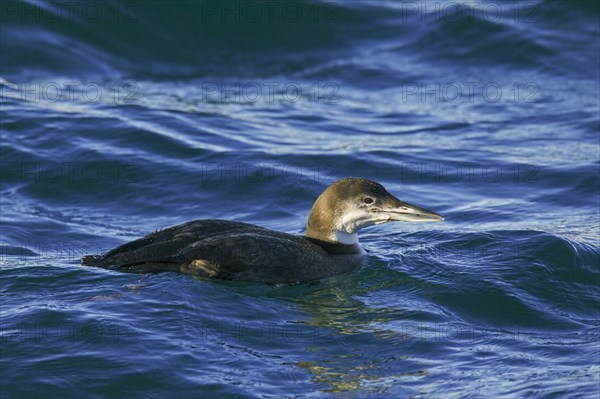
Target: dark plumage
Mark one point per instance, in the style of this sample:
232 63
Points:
229 250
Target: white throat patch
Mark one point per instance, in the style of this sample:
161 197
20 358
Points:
349 239
345 238
355 220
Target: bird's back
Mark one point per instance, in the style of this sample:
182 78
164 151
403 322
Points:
227 250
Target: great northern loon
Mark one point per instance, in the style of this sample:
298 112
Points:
240 251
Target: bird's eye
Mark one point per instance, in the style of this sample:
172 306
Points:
368 200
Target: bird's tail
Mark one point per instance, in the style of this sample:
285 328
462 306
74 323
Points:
90 260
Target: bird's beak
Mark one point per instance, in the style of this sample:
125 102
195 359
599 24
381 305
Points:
401 211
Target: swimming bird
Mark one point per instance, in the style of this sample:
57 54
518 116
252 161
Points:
240 251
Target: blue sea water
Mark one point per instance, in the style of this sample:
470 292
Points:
122 117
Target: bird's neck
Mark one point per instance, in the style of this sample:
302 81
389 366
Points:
325 235
324 228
